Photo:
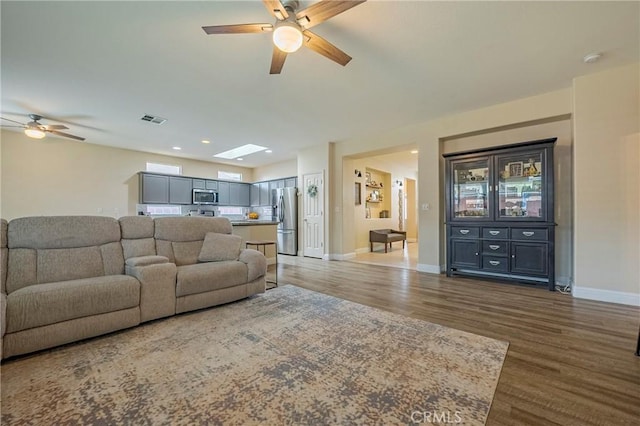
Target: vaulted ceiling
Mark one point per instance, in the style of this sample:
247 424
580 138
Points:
98 67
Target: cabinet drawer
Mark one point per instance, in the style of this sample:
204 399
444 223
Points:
465 231
532 234
495 247
495 263
495 233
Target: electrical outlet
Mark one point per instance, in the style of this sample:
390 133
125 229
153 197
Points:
426 206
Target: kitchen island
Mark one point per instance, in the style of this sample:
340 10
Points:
257 230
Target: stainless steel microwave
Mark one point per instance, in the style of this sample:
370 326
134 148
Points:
205 196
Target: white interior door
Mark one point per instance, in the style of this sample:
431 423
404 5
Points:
313 223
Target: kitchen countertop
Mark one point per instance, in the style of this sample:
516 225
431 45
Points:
251 222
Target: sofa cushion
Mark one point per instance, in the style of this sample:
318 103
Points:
44 304
56 232
139 247
203 277
217 247
55 265
136 227
186 252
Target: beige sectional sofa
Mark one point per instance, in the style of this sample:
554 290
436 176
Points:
67 278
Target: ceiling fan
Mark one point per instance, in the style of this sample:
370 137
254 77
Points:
35 129
291 29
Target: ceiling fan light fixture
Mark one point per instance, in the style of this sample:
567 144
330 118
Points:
287 37
34 132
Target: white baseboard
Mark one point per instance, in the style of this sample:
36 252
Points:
432 269
563 281
610 296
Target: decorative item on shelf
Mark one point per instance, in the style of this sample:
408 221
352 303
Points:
515 169
312 190
367 178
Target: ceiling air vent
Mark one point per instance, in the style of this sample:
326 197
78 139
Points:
153 119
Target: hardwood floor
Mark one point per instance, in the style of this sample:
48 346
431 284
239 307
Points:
570 361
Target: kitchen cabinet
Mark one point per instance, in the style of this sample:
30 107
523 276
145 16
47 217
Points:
239 194
180 190
255 194
199 184
265 194
500 213
211 184
274 184
291 182
224 196
154 189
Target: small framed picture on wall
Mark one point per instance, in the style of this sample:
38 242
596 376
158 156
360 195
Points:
358 193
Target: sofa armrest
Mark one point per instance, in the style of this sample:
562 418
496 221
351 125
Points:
146 260
256 263
157 286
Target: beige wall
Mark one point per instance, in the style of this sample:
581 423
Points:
561 129
276 171
607 185
53 176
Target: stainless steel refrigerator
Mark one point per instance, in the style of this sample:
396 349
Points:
286 212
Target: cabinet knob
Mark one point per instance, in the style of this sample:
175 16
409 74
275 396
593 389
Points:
527 233
464 231
513 256
476 254
494 246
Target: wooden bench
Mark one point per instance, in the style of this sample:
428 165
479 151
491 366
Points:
386 236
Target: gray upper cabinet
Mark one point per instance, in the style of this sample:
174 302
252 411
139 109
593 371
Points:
274 184
255 194
154 189
180 190
211 184
265 195
224 196
239 194
291 182
198 184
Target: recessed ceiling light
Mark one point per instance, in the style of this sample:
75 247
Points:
268 151
205 141
240 159
177 148
592 57
240 151
414 151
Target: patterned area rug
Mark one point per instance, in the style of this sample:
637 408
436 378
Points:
290 356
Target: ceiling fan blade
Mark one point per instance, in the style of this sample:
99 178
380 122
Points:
13 121
55 127
276 9
66 135
326 49
6 127
277 60
323 10
238 29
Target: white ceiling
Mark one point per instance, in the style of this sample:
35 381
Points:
99 66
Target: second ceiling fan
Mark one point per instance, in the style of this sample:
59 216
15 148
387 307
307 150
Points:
291 29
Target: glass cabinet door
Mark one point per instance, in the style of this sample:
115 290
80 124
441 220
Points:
520 186
470 195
